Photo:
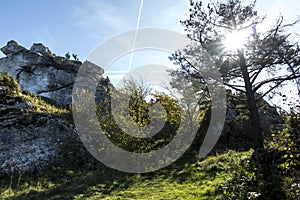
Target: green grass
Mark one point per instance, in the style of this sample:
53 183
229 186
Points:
39 106
181 180
227 175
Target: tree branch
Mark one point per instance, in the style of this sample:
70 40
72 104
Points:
234 87
280 78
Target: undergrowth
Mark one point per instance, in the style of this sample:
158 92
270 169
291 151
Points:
181 180
270 173
12 89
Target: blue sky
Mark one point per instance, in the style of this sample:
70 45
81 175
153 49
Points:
78 26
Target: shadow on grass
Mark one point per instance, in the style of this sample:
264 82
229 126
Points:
88 180
68 183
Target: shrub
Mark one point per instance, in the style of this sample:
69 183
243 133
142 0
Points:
9 84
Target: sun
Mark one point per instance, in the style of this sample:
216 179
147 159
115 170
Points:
234 41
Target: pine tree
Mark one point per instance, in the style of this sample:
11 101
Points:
244 66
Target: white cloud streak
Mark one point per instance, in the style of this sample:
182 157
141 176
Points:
96 15
136 32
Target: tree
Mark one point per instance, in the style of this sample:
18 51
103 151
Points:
138 107
75 57
133 123
67 55
258 65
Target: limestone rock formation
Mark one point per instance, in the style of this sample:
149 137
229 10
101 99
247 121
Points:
28 140
237 126
40 48
12 47
31 139
40 72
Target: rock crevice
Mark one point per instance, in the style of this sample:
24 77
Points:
40 72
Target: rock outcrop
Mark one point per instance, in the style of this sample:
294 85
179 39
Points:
31 139
40 72
28 140
12 47
34 134
237 125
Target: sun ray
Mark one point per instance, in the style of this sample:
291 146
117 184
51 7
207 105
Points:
234 41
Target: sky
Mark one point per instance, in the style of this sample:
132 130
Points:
79 26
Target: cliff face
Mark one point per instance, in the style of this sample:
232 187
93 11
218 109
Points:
40 72
237 127
33 133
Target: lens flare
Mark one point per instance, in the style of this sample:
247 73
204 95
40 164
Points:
235 40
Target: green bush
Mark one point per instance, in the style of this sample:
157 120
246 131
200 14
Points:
273 172
9 84
139 113
287 141
256 178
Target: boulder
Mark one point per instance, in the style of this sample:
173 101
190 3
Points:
37 70
12 47
40 48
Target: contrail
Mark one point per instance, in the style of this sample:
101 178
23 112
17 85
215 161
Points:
136 32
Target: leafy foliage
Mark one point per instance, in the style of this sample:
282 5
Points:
138 110
272 173
9 84
12 88
288 142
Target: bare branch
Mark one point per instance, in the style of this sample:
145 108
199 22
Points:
277 79
234 87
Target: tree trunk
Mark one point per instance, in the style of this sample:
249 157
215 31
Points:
255 131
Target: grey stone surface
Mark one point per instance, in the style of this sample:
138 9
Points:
12 47
237 126
40 72
40 48
30 140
